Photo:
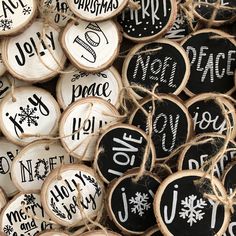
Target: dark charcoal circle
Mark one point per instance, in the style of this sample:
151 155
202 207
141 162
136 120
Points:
165 67
213 62
147 21
123 149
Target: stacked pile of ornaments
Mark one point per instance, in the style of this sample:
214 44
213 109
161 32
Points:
117 117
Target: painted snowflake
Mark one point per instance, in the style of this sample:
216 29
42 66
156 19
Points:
29 199
8 229
5 24
26 10
28 115
140 203
192 209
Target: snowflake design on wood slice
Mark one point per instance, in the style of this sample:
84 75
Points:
28 115
5 24
29 199
140 203
26 10
8 229
192 210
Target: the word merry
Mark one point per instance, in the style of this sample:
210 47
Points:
149 9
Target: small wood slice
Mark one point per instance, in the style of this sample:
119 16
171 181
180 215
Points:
121 148
81 123
71 192
207 114
34 163
204 11
212 54
77 84
33 113
180 196
8 152
22 59
24 215
91 47
152 20
16 15
97 10
196 155
166 65
124 196
171 123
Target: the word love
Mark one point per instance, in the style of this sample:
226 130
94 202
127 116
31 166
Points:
32 45
124 152
94 36
29 115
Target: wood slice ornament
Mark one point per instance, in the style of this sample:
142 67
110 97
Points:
56 11
120 148
204 11
24 215
72 194
166 65
77 84
29 115
180 205
16 15
129 202
212 54
152 20
99 233
97 10
230 185
208 115
3 200
171 123
35 55
8 152
91 47
34 163
81 123
197 155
